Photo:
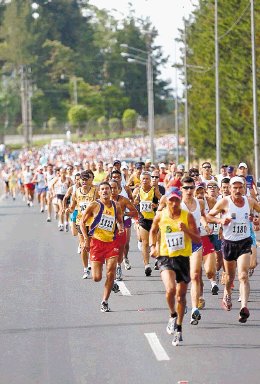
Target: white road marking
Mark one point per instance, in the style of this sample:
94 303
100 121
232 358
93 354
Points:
123 288
156 346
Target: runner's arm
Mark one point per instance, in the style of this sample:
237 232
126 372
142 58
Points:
218 208
191 230
153 235
87 214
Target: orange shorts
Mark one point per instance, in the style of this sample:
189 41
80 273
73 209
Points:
102 250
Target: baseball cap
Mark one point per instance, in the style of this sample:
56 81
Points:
236 179
212 182
124 166
180 167
76 163
148 161
162 165
173 192
110 165
138 165
242 165
230 169
200 185
116 162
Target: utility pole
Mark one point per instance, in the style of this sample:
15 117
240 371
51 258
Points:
75 90
218 129
186 114
150 103
255 109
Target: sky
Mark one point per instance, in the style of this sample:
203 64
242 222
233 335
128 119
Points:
165 15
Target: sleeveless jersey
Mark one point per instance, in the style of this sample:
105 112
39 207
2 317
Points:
104 224
239 227
145 205
61 187
83 201
173 241
40 180
196 214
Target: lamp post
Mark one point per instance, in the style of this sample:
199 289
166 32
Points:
218 129
255 110
132 58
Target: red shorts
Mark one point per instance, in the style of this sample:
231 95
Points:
121 238
207 246
30 186
102 250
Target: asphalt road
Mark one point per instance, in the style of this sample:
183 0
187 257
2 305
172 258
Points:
52 331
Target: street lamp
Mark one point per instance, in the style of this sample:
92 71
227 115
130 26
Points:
132 58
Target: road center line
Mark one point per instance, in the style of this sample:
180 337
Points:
123 288
156 346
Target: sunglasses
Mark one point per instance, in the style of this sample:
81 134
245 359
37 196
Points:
186 187
195 174
155 177
85 178
207 167
212 186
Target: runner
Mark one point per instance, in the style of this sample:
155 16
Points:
27 177
81 199
129 211
144 198
67 199
235 211
60 186
39 180
13 183
106 215
177 229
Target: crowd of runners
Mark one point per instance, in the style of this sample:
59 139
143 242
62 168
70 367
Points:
185 220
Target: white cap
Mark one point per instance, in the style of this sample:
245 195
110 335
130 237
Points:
40 167
242 165
162 165
124 167
110 165
76 163
236 179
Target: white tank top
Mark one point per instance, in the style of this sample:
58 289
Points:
196 214
61 187
49 179
27 176
41 180
239 227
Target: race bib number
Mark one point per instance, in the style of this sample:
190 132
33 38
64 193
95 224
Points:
239 228
215 229
107 223
146 206
175 241
83 206
63 189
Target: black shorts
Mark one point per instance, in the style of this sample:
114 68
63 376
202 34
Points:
179 264
79 230
60 197
233 249
145 223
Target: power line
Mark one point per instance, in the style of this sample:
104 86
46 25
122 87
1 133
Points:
235 23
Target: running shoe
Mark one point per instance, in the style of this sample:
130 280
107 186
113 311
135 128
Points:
195 316
127 264
104 307
250 272
214 288
171 326
147 270
61 227
177 340
139 245
79 249
243 315
28 203
115 288
42 210
48 220
86 273
202 303
67 227
118 273
239 299
31 204
226 302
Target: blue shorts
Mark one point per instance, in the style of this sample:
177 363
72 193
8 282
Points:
74 215
41 190
196 247
216 242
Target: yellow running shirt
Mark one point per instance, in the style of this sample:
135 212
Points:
146 203
173 241
83 201
105 229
